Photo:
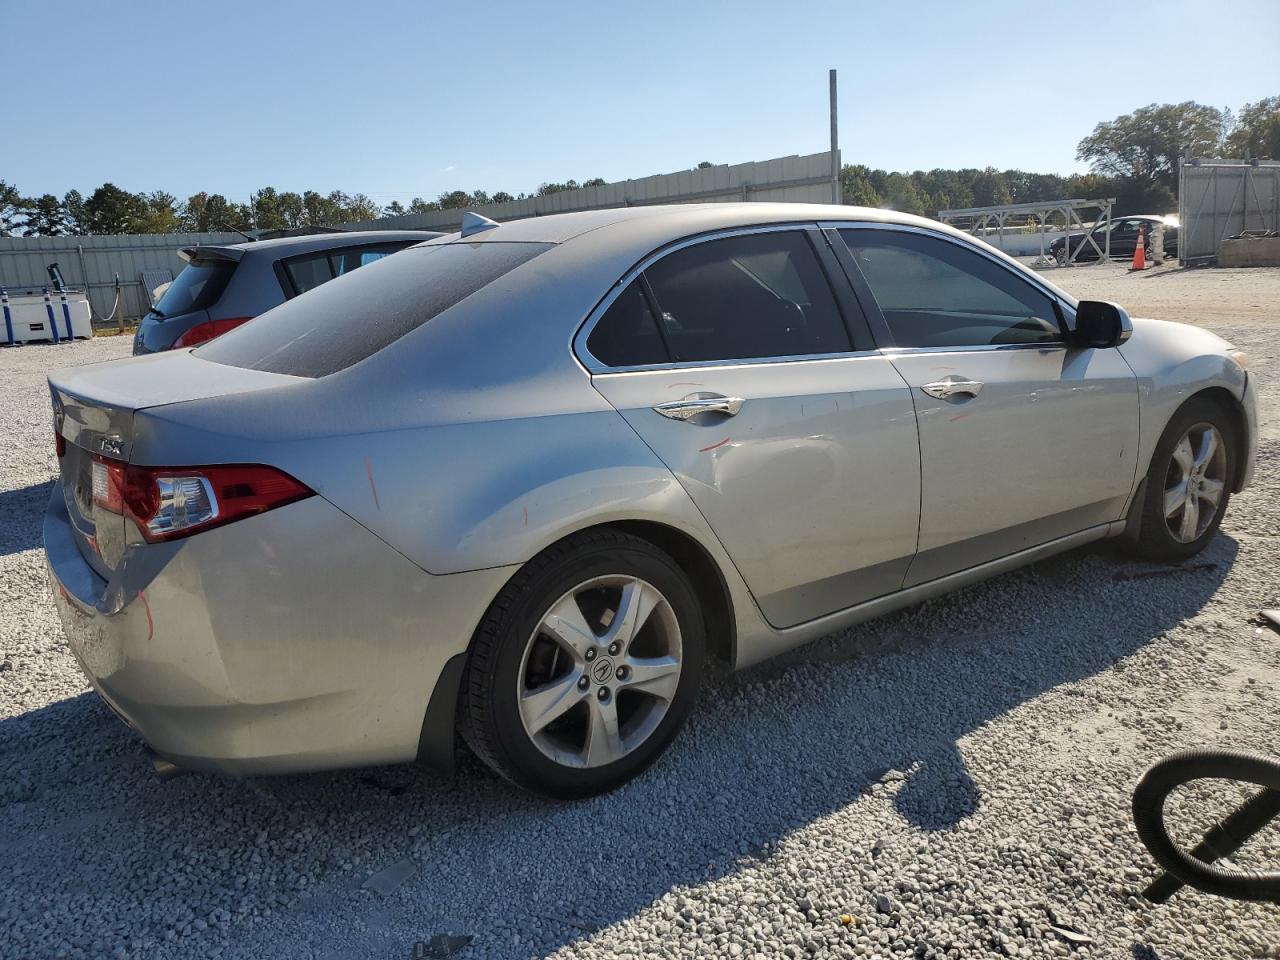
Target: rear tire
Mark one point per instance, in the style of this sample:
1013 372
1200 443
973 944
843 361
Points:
1188 483
585 666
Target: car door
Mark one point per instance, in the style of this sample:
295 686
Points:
1023 438
755 380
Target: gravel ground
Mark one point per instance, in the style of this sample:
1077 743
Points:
950 781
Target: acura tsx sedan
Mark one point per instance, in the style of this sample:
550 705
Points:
524 482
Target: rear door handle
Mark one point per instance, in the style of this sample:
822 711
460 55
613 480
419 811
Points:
690 407
952 387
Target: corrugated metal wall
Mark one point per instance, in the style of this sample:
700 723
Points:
1222 198
91 263
793 179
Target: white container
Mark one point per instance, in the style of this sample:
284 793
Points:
29 317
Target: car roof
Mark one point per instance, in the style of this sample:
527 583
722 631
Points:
287 246
678 219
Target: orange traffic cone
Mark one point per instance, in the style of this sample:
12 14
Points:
1140 251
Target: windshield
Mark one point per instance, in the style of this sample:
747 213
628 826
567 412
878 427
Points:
352 318
198 287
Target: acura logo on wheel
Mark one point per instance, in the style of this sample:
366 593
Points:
603 670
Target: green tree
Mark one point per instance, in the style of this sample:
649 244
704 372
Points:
856 186
318 210
418 205
360 207
43 216
501 197
292 210
394 209
594 182
704 165
548 188
73 210
1150 143
268 214
1256 132
112 210
213 213
11 203
455 200
162 213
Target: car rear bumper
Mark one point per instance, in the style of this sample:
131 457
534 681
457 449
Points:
288 642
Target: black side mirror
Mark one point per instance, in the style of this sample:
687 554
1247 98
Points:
1100 323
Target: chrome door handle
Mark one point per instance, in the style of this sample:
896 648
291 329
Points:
690 407
951 387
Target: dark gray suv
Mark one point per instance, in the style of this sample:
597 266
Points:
222 287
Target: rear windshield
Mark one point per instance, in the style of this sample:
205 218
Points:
350 319
198 287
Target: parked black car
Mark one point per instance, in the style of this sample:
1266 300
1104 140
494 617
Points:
222 287
1124 237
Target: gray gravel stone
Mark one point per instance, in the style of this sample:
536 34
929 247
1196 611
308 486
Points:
1018 713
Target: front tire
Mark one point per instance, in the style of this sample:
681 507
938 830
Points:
1188 483
585 666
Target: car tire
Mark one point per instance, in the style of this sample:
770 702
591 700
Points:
567 713
1179 512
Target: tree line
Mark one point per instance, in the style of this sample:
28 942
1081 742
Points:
109 209
1134 158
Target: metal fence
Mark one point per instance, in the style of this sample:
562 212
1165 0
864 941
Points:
796 179
92 263
1222 198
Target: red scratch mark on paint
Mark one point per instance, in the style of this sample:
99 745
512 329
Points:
714 445
672 386
526 516
368 469
958 416
151 627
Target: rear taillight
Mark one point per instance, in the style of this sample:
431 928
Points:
59 444
204 332
171 502
108 484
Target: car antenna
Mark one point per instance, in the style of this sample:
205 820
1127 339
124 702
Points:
474 223
251 239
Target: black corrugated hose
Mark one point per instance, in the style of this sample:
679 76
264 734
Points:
1197 869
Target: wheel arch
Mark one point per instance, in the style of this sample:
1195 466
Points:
1230 404
437 741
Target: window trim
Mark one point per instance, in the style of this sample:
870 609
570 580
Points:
290 289
875 317
838 285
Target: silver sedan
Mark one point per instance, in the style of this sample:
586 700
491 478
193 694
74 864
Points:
526 481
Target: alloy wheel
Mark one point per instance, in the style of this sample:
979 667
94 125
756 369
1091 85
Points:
1195 482
599 671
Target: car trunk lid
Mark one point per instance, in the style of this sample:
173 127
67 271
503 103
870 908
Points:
95 412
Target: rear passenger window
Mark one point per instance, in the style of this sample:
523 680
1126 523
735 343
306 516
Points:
307 273
627 334
759 295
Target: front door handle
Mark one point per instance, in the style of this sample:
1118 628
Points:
690 407
952 387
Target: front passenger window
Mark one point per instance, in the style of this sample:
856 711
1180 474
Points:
935 293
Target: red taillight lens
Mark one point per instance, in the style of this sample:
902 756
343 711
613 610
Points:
204 332
171 502
59 444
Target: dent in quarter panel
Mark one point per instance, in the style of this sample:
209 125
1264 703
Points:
475 495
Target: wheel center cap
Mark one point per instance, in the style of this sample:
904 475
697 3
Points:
602 670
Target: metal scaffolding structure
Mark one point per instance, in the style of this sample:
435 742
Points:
981 220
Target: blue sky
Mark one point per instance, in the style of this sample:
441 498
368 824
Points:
401 99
